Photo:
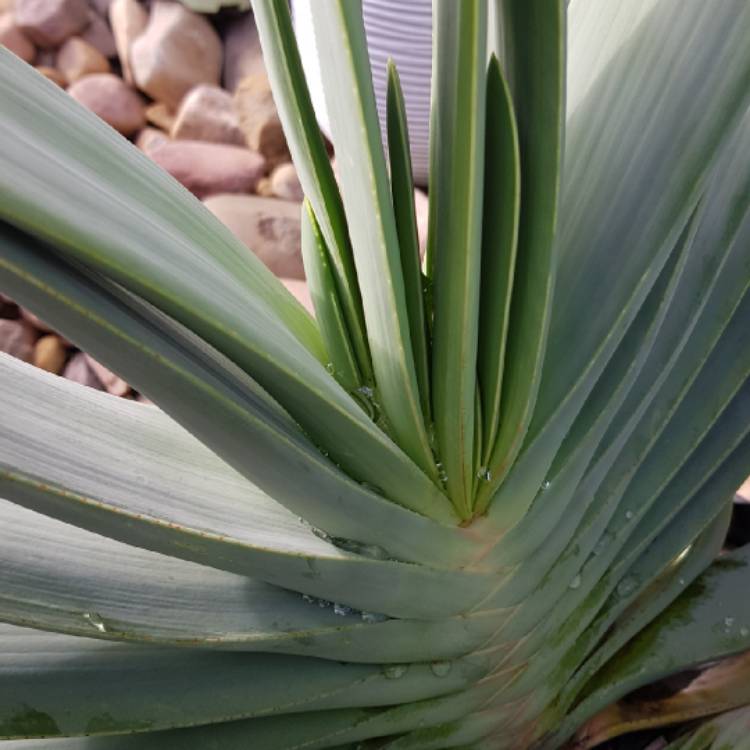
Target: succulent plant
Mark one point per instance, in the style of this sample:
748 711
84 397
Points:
474 502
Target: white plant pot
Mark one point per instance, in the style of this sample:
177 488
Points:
401 29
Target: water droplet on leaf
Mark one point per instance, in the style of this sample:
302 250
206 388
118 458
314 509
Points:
95 621
321 534
342 610
546 484
626 586
373 617
395 671
575 583
441 668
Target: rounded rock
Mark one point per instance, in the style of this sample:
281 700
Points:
14 39
259 120
17 339
99 35
210 168
78 371
268 226
77 58
178 50
206 113
285 183
112 99
48 23
128 19
50 353
53 74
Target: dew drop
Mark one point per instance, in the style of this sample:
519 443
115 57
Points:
309 599
366 391
432 437
95 621
372 616
442 474
629 514
321 534
441 668
546 484
484 474
575 583
729 621
330 368
395 671
626 586
682 581
342 610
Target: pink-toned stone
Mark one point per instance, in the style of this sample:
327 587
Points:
77 58
242 52
259 119
206 113
161 115
17 338
210 168
264 187
268 226
112 99
300 290
744 491
79 371
150 138
53 74
99 35
128 20
14 39
285 183
50 353
178 50
101 6
49 23
112 383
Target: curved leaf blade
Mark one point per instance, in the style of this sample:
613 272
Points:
534 54
372 225
292 98
402 190
455 235
502 197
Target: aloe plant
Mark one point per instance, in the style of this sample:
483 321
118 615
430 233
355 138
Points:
474 502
